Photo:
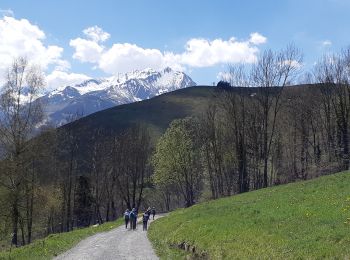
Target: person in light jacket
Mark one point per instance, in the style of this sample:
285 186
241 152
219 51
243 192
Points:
127 217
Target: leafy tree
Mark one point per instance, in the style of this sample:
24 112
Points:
177 159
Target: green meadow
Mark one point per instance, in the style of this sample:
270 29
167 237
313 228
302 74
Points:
303 220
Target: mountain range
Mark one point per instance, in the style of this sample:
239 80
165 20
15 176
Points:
68 103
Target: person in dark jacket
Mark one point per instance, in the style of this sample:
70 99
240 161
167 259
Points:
153 211
145 218
133 219
127 217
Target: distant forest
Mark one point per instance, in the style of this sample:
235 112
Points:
256 131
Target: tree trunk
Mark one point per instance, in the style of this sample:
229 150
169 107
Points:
15 216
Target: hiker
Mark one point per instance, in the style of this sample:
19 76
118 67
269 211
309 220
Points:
145 218
127 217
133 219
153 211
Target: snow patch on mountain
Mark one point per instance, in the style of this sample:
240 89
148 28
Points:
93 95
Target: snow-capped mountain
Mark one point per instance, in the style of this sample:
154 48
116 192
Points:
65 103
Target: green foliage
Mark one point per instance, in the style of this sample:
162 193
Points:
304 220
177 158
56 244
173 152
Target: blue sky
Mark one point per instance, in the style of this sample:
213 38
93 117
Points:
190 35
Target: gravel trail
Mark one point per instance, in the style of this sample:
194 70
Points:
119 243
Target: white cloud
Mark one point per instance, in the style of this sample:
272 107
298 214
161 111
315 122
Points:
58 79
257 38
327 43
21 38
96 34
225 76
127 57
205 53
63 65
86 50
89 50
123 57
292 63
295 64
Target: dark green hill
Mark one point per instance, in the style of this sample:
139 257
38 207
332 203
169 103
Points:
156 113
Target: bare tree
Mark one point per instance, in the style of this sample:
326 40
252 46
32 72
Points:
333 72
271 73
235 105
130 166
19 115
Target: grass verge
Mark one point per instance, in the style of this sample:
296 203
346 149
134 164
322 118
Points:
56 244
304 220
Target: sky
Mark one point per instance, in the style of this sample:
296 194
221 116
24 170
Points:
76 40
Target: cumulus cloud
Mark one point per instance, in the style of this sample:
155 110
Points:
123 57
257 38
127 57
21 38
96 34
205 53
86 50
58 79
90 49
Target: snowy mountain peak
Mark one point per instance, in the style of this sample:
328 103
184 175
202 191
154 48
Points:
93 95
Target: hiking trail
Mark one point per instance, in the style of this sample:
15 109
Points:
119 243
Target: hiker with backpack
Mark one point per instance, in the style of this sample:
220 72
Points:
153 211
127 217
145 218
133 219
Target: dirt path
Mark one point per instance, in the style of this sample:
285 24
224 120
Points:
119 243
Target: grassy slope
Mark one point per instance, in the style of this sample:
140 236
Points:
56 243
157 113
308 219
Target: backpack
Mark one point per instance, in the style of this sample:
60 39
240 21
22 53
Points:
126 215
145 217
132 215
